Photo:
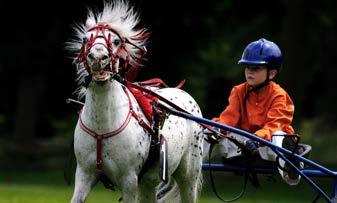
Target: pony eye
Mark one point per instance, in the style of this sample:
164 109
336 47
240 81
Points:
116 42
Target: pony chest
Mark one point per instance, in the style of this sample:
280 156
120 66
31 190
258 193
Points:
133 138
104 119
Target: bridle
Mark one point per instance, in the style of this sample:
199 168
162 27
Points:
87 44
101 30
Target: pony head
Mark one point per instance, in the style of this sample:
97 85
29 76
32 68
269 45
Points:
107 37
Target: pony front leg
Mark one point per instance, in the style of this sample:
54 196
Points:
147 195
83 183
147 191
129 186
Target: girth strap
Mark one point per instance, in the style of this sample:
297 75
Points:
99 162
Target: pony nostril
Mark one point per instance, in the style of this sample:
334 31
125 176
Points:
104 57
91 56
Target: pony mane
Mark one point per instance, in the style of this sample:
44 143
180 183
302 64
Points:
123 19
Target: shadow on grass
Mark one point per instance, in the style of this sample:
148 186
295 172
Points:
272 189
49 186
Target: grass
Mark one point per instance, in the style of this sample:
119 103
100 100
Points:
49 186
42 187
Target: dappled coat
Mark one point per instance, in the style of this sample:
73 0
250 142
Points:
260 112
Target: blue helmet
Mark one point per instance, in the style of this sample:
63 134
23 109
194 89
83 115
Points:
262 52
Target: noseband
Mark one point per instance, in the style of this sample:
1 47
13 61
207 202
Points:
101 33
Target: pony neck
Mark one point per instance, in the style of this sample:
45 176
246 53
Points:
105 105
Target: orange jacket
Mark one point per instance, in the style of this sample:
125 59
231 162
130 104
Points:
265 111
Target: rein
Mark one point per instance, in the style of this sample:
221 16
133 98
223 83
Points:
161 98
150 92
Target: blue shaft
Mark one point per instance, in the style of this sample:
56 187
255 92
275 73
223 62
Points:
311 182
334 189
232 168
304 174
250 136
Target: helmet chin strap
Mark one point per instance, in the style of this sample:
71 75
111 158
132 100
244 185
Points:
265 83
258 87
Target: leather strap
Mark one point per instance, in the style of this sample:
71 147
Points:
100 136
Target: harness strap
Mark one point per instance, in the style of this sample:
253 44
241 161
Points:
142 123
156 82
152 93
114 132
136 116
180 84
100 137
99 162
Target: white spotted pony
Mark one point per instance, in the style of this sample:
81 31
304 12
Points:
108 138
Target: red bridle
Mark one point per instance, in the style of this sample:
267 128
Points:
101 29
127 68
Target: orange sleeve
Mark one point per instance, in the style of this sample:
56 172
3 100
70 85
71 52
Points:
279 117
231 115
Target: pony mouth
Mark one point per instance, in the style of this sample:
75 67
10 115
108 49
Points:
101 76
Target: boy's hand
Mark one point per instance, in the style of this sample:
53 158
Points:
210 131
212 135
251 146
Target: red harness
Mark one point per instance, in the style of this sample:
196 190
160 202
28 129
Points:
101 29
144 98
129 71
100 136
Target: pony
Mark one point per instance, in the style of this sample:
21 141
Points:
110 138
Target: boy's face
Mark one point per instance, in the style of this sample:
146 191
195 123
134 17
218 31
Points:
255 75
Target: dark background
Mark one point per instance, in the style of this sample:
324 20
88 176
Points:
197 41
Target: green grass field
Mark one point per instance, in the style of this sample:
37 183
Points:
43 187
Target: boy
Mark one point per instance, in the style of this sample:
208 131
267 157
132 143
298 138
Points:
259 105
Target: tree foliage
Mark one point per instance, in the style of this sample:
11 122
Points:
197 41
